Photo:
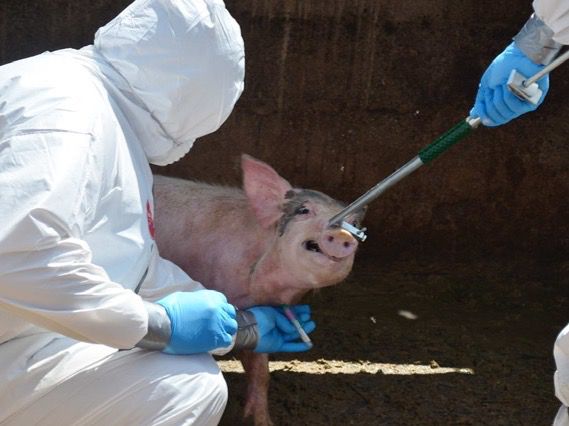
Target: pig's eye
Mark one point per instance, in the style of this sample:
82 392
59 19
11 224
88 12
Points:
302 210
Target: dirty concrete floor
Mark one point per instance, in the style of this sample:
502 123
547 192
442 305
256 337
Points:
422 342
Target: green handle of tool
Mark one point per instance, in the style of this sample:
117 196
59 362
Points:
445 141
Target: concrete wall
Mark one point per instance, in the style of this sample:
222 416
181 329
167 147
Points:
339 93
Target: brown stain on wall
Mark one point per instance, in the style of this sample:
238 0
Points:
341 93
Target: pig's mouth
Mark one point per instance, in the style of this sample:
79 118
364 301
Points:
313 246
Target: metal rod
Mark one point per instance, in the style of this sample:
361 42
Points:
416 162
378 189
386 183
547 69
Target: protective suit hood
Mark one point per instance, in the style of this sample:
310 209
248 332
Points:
183 62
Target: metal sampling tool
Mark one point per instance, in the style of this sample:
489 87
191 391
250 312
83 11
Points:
292 318
525 88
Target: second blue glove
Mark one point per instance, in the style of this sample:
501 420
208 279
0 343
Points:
277 333
495 104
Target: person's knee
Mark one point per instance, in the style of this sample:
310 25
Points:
196 387
209 385
216 393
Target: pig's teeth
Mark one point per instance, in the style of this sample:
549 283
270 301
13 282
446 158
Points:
312 246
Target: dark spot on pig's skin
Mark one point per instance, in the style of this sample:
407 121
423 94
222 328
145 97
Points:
297 198
289 194
252 268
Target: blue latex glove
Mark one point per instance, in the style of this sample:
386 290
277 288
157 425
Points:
201 321
277 333
495 104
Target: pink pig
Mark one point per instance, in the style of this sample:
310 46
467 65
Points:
269 244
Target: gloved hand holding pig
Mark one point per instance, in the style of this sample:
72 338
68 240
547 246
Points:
277 333
202 321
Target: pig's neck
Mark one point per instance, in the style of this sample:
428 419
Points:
270 283
257 276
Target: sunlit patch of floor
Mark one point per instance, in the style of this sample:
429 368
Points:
328 366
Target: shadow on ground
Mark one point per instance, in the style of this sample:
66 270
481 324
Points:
497 318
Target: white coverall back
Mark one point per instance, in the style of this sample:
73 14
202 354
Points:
78 129
555 14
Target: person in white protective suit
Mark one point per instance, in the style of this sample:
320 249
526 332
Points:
80 275
536 45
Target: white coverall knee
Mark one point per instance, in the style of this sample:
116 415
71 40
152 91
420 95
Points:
78 129
111 387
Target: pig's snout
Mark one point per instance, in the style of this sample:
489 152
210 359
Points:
338 243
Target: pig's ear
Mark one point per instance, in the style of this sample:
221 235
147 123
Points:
265 190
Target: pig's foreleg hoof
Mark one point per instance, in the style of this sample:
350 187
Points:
260 415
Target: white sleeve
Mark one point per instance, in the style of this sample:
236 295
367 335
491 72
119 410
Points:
46 273
555 14
561 355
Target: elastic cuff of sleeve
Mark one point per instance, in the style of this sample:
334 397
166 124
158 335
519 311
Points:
224 351
247 331
159 328
535 39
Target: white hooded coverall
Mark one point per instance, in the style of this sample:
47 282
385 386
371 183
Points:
78 129
555 13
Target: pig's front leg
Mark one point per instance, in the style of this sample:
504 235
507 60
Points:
257 400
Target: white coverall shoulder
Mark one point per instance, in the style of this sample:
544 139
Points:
184 61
